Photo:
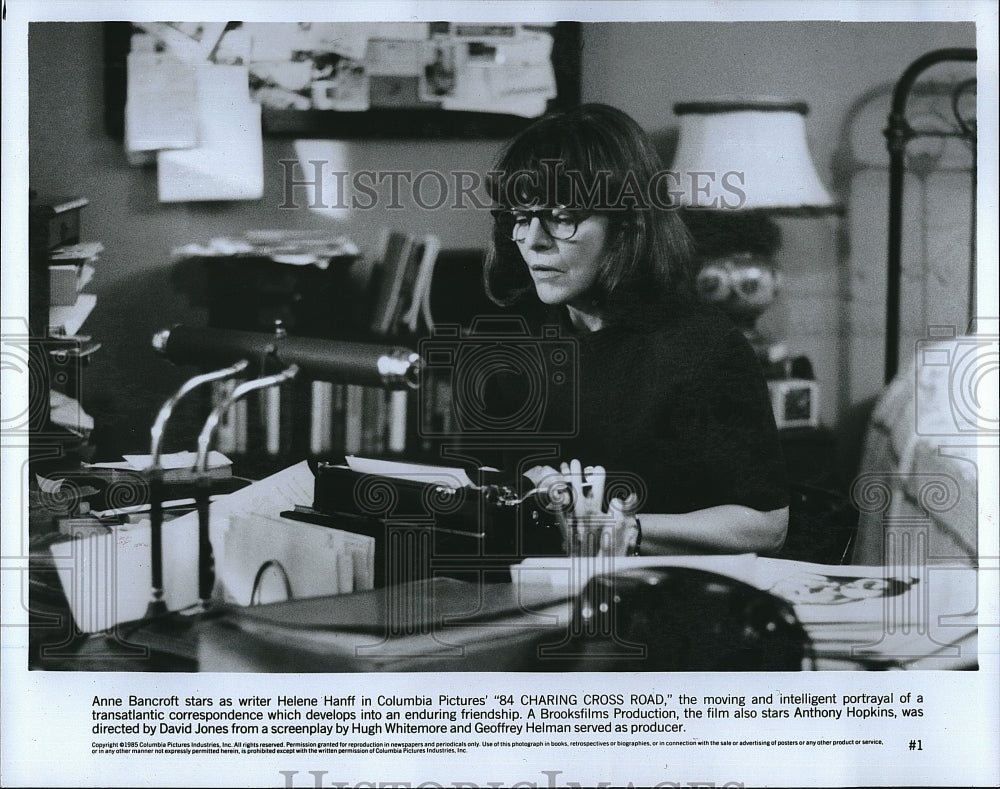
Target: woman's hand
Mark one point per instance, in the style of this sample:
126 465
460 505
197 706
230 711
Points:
576 496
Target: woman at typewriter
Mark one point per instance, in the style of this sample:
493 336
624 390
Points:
646 389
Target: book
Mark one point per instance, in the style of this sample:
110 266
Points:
415 298
56 221
61 205
320 417
373 420
67 320
353 417
387 279
66 281
86 252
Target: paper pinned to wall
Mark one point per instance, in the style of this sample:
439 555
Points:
161 103
228 163
194 42
475 92
506 75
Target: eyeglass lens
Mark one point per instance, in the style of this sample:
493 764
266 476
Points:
561 224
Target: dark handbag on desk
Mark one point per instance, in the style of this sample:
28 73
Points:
648 619
681 619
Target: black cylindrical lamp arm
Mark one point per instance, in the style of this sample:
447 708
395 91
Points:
318 359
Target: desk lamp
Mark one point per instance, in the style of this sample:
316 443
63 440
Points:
157 606
740 162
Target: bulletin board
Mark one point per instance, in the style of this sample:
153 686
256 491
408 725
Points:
386 80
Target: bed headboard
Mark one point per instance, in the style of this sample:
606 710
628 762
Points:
917 487
912 121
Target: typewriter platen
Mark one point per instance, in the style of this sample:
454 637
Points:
431 528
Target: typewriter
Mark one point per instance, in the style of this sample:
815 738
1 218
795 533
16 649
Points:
428 524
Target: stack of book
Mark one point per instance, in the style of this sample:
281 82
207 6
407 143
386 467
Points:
60 267
275 278
70 266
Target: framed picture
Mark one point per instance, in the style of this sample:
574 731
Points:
795 402
374 80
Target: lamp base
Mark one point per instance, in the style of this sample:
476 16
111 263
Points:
771 353
744 285
171 635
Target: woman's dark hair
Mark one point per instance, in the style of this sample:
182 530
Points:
592 157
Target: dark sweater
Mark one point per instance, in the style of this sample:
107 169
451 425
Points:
673 404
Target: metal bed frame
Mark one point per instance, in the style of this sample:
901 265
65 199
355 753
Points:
899 133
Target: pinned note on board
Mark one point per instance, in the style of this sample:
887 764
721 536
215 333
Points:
194 118
160 107
228 162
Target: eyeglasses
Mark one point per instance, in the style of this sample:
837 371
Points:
560 223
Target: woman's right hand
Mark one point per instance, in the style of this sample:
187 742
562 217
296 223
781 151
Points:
576 496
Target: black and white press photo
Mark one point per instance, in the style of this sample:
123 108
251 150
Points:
535 394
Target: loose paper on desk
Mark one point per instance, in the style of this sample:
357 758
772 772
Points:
173 460
309 560
107 578
413 472
897 615
228 163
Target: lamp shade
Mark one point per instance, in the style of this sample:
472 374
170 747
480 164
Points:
747 154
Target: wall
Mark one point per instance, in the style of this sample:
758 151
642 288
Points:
71 154
644 69
832 306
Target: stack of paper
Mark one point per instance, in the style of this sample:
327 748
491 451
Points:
856 616
107 578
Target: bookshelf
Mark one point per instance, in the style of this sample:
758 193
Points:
383 299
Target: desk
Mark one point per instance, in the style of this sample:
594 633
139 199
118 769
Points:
447 625
855 617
